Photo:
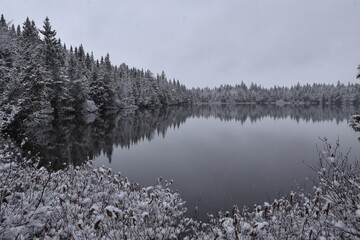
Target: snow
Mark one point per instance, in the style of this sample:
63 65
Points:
75 201
89 118
354 122
90 106
339 224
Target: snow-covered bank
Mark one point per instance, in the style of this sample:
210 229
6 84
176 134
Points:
354 122
82 203
87 203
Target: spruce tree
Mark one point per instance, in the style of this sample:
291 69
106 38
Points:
79 77
88 61
29 33
34 76
3 23
126 95
54 62
18 31
106 100
13 30
10 87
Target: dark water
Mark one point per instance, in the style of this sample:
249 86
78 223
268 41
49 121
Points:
217 155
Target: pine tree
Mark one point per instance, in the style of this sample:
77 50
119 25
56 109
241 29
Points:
34 76
54 62
88 61
3 23
107 83
18 31
9 55
12 30
29 30
81 54
78 76
30 34
10 86
126 95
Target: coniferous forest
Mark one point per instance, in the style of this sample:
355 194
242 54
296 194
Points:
41 75
325 94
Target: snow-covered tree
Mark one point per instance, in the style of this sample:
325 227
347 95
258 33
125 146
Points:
54 63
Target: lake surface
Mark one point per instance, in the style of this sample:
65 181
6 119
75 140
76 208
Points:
217 155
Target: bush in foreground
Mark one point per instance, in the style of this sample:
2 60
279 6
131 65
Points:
86 203
333 212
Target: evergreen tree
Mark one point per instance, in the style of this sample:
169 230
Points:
3 23
9 64
18 31
54 62
30 31
34 76
12 30
88 61
126 95
106 77
78 77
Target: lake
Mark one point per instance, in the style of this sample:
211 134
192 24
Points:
217 155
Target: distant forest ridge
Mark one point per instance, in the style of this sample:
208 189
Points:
39 74
326 94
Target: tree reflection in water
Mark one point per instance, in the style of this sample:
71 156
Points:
75 139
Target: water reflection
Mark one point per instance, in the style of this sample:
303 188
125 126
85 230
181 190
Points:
73 140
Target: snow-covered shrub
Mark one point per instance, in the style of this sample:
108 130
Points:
7 114
332 212
89 106
84 203
354 122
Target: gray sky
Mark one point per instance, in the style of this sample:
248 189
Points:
211 42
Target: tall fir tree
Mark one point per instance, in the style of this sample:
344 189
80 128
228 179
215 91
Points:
34 76
3 23
54 62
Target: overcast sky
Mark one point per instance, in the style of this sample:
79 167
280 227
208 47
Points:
211 42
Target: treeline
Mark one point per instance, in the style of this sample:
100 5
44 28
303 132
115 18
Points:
327 94
39 74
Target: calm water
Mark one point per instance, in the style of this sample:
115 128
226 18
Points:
217 155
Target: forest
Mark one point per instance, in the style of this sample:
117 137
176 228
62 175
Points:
41 76
325 94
